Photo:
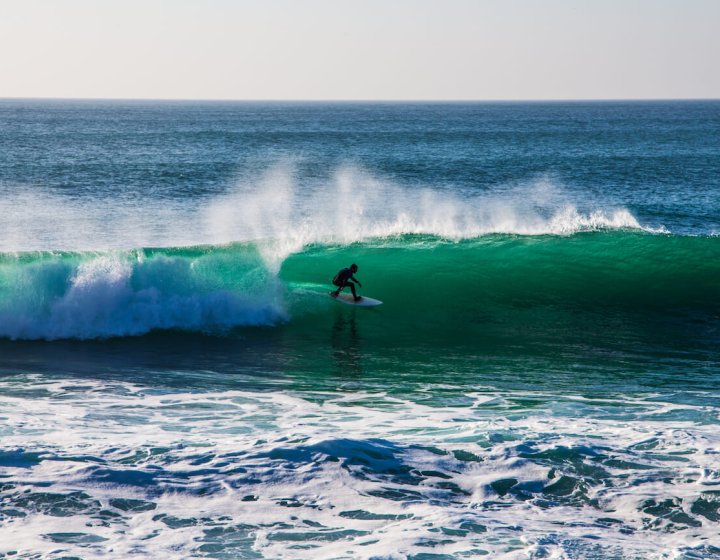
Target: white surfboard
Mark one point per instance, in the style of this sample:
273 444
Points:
363 302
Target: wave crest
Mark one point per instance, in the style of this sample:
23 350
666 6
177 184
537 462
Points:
289 212
355 207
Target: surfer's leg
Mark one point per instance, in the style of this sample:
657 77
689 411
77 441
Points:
352 289
336 293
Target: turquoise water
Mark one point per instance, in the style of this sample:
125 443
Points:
540 382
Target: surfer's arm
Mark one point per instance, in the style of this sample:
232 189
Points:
356 280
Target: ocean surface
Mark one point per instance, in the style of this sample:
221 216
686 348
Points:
542 381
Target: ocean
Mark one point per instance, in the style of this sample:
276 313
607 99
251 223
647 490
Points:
542 380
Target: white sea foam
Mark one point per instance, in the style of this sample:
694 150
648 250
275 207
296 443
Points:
125 294
269 471
287 213
355 206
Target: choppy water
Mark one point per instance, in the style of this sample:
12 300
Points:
541 382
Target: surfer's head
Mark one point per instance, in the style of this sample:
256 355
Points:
353 267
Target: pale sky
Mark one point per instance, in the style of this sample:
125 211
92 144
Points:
362 49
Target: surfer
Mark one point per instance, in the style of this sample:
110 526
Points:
346 278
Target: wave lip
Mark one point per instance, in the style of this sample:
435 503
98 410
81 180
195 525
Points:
569 221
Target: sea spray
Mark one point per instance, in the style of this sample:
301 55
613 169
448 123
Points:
286 213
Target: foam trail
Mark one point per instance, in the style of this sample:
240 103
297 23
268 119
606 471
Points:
568 476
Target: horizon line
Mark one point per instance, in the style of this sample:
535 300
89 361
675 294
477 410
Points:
360 100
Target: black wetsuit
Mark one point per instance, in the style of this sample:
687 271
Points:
345 278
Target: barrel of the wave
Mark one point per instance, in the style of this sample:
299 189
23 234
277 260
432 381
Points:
513 289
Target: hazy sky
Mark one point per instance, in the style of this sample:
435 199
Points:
361 49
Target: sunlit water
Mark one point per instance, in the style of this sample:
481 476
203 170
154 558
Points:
541 381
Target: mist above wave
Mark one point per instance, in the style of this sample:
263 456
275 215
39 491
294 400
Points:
290 212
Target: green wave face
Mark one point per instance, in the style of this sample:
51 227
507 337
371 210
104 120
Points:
583 271
436 291
582 299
